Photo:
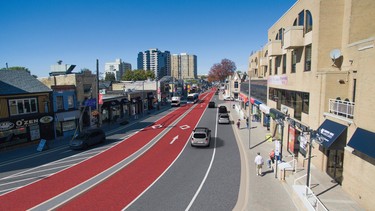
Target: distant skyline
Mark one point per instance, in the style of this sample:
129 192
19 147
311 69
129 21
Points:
36 34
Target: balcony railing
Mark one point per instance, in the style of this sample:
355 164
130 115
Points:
343 108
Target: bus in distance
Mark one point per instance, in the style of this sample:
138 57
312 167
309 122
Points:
192 98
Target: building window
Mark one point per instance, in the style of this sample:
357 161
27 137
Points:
59 102
284 64
308 58
301 18
309 21
70 101
278 64
270 66
294 61
22 106
87 88
305 102
235 84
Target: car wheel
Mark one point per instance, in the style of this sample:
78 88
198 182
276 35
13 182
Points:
85 146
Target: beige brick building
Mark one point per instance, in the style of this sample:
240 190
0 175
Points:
319 62
184 66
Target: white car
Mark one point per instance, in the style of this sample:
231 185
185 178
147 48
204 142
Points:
228 98
224 119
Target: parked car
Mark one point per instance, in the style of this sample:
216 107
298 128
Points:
201 136
228 98
87 138
223 119
211 104
223 110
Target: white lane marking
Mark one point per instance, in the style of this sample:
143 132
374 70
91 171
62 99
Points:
207 172
157 179
174 139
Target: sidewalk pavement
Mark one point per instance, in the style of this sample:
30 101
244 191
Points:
271 193
30 150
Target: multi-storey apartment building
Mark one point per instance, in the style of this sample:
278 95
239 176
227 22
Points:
184 66
319 62
117 68
155 60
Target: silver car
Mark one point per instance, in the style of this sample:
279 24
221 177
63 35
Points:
224 119
201 136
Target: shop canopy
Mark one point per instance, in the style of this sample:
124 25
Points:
330 131
111 103
264 108
363 141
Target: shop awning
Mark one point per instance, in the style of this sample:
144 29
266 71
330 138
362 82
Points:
363 141
257 102
330 131
276 114
264 108
111 103
70 115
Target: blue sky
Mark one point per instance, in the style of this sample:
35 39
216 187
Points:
37 33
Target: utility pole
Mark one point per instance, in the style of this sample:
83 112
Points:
98 107
249 116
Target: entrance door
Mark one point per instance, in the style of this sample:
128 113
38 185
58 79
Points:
335 164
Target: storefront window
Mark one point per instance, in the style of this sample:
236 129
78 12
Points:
70 101
59 102
69 125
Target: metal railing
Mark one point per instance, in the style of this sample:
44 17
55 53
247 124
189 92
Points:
343 108
314 201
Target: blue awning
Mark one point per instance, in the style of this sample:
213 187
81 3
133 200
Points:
257 102
330 132
363 141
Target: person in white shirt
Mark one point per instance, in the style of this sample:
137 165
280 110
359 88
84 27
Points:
259 164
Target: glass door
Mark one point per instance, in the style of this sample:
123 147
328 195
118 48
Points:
335 164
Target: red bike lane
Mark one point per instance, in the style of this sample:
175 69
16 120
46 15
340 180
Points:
46 188
126 185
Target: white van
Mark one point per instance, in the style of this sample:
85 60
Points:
175 101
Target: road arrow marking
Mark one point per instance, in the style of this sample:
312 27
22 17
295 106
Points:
184 127
174 139
157 126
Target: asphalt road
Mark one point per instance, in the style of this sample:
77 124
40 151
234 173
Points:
201 178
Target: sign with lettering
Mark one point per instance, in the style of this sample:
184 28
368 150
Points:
42 145
6 126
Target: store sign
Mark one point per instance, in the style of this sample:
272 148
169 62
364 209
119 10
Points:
25 123
6 126
46 119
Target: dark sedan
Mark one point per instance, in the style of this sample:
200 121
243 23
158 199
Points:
87 138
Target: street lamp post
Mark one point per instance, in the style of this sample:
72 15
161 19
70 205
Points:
249 116
314 137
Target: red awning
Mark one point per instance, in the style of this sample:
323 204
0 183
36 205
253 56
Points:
252 100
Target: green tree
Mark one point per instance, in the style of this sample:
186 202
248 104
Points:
138 75
17 68
110 77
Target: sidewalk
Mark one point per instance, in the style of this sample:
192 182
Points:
30 150
270 193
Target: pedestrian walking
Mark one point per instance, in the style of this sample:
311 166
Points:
272 158
259 164
238 123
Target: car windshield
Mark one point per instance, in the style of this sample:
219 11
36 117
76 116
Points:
224 116
81 136
199 135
